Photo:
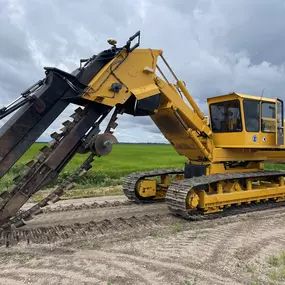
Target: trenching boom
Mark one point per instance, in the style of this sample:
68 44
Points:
225 151
34 112
123 79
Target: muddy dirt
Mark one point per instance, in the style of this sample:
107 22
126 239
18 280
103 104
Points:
115 242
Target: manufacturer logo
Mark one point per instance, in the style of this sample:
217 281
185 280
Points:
254 138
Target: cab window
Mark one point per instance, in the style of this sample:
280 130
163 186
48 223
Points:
251 115
225 117
268 119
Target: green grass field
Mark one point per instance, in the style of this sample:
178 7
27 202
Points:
110 170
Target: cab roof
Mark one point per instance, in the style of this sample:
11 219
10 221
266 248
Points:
232 96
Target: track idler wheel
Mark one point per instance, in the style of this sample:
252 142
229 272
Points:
192 199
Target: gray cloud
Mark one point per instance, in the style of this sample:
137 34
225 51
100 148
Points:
257 28
216 47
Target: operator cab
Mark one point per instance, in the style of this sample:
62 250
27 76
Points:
239 120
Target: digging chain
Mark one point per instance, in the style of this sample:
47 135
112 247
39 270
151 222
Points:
62 188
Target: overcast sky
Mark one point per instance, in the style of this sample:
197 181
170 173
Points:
216 47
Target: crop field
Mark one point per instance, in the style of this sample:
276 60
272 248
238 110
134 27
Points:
109 170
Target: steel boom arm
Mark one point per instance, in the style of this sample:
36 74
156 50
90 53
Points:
130 80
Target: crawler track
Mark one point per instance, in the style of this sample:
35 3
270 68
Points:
130 182
178 191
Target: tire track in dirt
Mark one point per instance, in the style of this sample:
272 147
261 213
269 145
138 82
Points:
9 281
84 215
224 241
262 235
212 242
61 276
74 269
249 237
139 249
219 250
245 242
155 268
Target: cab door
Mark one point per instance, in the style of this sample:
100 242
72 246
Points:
279 122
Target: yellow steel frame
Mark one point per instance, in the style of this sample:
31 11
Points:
137 72
150 188
186 128
232 193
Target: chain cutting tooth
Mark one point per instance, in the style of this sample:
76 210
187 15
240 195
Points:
52 143
63 129
37 211
55 199
113 125
26 172
66 123
30 164
79 111
44 149
76 117
87 167
43 203
70 186
40 157
28 218
60 190
19 223
56 136
82 173
11 190
17 178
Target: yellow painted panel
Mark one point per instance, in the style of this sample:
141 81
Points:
129 69
243 196
145 91
245 140
147 188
